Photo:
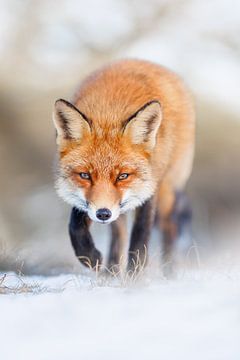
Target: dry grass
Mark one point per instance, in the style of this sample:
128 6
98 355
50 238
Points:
102 276
23 287
117 275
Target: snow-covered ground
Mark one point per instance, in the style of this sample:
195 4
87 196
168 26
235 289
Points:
196 316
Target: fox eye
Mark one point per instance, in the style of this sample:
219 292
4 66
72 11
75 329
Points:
85 176
122 176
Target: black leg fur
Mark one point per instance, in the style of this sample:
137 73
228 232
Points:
82 241
177 223
140 235
183 213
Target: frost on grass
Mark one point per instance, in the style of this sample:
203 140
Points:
17 284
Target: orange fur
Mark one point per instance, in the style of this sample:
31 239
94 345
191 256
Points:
107 98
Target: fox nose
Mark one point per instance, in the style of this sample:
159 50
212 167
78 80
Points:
103 214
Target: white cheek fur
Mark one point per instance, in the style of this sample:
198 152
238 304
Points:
75 197
134 197
70 194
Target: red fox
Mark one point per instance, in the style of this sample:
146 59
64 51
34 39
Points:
126 141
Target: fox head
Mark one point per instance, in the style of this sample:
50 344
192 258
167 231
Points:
105 170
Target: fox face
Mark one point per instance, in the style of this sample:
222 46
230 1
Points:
105 170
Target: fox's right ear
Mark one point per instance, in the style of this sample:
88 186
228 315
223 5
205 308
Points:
69 122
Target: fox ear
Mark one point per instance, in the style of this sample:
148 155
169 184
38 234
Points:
142 127
69 122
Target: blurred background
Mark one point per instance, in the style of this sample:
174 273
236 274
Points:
47 47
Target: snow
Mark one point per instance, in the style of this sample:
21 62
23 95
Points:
196 315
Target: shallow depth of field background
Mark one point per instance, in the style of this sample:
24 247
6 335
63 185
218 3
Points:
47 47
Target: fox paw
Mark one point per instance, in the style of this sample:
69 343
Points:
93 260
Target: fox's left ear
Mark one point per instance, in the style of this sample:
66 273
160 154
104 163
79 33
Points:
142 127
69 122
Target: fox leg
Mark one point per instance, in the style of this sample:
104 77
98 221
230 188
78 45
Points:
174 216
82 241
183 213
140 235
118 239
